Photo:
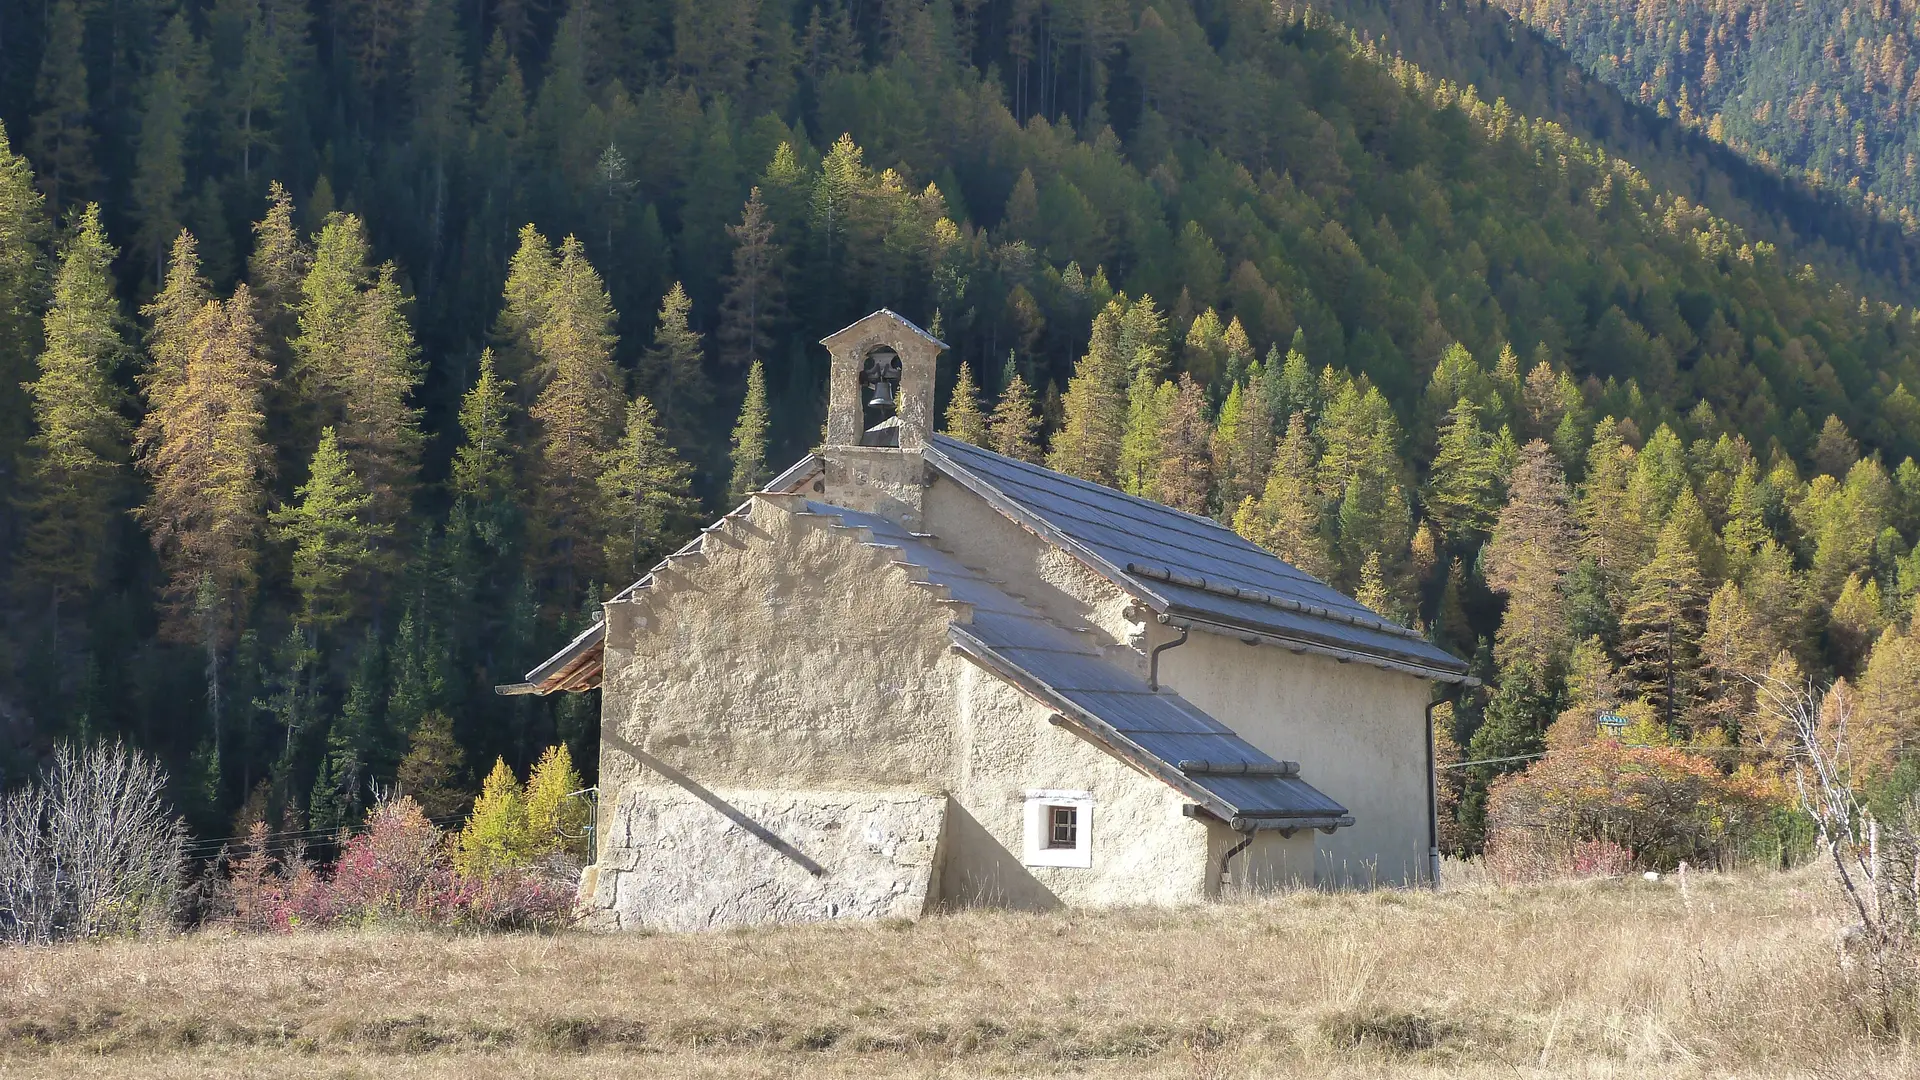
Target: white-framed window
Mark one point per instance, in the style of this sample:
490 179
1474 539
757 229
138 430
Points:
1059 828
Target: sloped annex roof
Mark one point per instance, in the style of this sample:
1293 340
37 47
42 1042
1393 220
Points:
1158 731
1190 568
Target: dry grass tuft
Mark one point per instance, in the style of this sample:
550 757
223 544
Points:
1738 977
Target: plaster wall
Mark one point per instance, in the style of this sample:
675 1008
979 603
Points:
1358 732
1037 572
1144 849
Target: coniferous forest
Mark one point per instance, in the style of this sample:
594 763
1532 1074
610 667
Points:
352 350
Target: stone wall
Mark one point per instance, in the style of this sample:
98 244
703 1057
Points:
681 860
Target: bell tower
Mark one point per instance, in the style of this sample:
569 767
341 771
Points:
880 390
879 417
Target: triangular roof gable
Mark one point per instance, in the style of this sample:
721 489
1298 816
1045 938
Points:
1187 566
863 328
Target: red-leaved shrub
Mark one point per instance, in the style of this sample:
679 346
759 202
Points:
399 868
1604 808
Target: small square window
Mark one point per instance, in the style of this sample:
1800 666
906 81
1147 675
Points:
1063 826
1059 825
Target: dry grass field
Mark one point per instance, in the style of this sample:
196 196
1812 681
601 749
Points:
1737 977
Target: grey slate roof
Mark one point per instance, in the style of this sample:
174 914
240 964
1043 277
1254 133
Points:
1185 566
1156 730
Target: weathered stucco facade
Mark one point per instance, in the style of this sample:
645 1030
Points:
912 675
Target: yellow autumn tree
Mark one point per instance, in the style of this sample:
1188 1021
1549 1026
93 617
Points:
556 819
495 835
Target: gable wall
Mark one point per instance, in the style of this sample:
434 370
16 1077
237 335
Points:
799 664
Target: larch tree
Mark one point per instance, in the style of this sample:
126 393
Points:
1186 459
1288 518
203 448
1462 495
531 275
755 302
1528 558
1661 628
378 425
1243 440
749 442
965 419
1014 428
329 313
23 290
332 539
278 269
1609 535
578 414
483 466
74 465
1095 405
1141 451
1361 475
171 319
676 370
645 495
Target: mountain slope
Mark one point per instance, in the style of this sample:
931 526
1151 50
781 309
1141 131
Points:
1824 90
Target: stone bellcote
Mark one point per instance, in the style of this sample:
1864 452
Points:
919 352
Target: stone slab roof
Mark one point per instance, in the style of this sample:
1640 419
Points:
1189 567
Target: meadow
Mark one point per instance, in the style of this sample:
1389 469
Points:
1732 975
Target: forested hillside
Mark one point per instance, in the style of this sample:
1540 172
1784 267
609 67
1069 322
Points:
1824 90
361 346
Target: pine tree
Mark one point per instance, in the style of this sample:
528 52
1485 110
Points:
1662 625
676 370
578 413
644 494
73 466
170 99
203 446
1462 495
483 466
331 536
755 300
62 143
23 288
966 421
1014 428
1528 558
749 451
1186 460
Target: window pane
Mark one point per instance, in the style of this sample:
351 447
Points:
1065 826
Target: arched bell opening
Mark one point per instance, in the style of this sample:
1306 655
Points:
880 372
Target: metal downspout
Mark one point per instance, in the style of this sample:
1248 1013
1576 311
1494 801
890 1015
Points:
1153 655
1433 805
1231 852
